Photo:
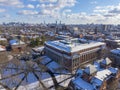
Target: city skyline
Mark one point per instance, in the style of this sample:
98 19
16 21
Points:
66 11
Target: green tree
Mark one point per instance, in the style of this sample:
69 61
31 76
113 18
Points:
37 41
32 43
43 39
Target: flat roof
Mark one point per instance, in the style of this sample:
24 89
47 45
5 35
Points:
73 45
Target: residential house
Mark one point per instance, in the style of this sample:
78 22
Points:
100 78
17 45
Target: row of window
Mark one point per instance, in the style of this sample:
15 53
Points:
117 54
76 62
53 56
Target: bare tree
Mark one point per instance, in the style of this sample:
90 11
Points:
14 73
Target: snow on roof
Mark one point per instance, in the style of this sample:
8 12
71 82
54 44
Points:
53 66
90 69
45 60
116 51
38 48
31 86
31 79
15 42
113 70
114 40
3 39
106 61
83 85
101 75
73 45
2 48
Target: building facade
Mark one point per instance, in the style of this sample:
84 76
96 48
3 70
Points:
73 53
113 43
115 56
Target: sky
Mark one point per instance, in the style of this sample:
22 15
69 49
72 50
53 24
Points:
66 11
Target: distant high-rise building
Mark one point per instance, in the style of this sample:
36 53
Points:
60 22
56 23
95 30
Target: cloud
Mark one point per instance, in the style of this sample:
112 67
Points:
52 13
94 2
30 6
48 1
66 12
6 16
100 11
54 8
38 6
2 10
108 11
115 10
109 15
14 3
27 12
33 0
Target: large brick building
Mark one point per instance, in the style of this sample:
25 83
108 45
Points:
72 53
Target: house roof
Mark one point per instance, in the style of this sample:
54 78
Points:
81 84
116 51
90 69
45 77
106 61
15 42
101 75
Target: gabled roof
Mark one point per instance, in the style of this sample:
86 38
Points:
90 69
106 61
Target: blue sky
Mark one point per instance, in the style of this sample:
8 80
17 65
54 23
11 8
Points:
67 11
